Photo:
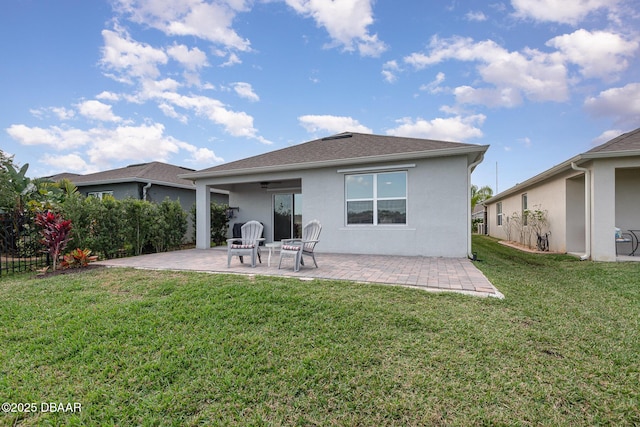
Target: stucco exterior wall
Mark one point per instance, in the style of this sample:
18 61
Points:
616 194
437 205
549 196
577 226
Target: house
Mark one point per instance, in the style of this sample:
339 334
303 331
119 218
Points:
585 199
373 194
152 181
478 219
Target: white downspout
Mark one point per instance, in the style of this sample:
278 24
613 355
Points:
469 170
587 210
144 191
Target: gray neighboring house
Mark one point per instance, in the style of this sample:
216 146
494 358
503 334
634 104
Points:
152 181
586 198
373 194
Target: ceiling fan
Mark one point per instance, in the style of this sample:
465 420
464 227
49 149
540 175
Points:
265 184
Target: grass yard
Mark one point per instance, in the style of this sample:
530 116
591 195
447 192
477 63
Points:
161 348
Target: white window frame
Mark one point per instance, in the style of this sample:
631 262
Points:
375 199
499 215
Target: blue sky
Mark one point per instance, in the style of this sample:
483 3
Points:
87 86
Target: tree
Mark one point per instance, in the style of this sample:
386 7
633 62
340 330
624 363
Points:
479 195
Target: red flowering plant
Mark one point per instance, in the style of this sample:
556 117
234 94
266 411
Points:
56 233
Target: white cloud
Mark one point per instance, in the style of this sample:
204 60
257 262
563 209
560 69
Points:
245 90
191 59
68 163
203 156
621 103
532 74
446 129
96 110
491 97
598 54
475 16
233 60
346 21
169 111
63 113
561 11
140 143
235 123
108 96
130 59
333 124
210 21
434 86
134 62
103 146
390 70
55 137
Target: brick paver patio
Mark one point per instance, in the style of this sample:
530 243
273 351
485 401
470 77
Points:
432 274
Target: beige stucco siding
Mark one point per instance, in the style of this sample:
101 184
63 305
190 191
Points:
550 196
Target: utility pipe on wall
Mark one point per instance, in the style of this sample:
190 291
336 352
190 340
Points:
587 210
144 191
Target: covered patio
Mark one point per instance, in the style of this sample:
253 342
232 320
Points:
427 273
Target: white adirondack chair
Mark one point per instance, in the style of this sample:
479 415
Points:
248 244
296 248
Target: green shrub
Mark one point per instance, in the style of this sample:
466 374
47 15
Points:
170 225
219 222
140 217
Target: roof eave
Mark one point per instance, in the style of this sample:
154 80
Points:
445 152
130 180
562 167
610 154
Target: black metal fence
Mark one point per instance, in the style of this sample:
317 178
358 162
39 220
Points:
20 247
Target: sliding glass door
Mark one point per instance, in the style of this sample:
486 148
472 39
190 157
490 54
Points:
287 216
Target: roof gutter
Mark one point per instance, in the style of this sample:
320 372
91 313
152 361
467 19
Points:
469 171
587 210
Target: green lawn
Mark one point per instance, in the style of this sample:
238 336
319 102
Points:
162 348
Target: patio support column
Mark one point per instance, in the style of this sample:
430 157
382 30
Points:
603 220
203 216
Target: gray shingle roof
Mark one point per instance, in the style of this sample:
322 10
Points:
340 147
155 172
629 141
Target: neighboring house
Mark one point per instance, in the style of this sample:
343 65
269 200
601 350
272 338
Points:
477 217
145 181
586 198
373 194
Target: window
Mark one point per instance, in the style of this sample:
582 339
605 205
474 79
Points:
376 198
100 194
525 209
499 213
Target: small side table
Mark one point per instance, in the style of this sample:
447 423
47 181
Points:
274 246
